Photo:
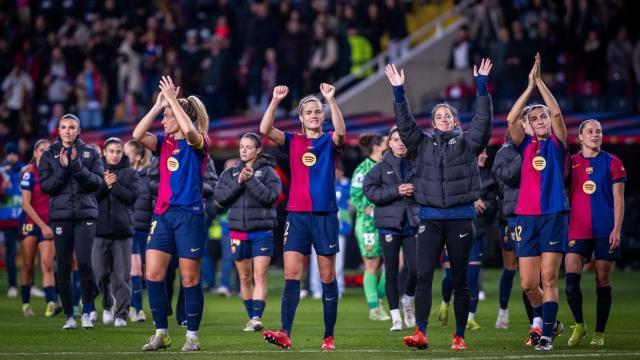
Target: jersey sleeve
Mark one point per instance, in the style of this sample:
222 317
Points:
618 173
288 136
523 145
335 148
27 181
160 141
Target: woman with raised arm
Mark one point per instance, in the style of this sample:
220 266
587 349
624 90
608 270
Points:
312 219
446 186
178 225
541 209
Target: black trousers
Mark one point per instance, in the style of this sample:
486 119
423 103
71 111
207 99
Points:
391 245
433 235
74 237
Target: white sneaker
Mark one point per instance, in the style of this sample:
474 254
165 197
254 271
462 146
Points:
317 296
70 324
107 317
120 322
397 326
482 296
253 325
86 322
93 315
36 292
503 319
27 311
12 292
409 315
223 290
141 317
133 315
383 314
304 293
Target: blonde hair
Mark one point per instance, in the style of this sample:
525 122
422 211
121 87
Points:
197 113
305 100
145 154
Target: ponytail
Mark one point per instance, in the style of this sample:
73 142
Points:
197 113
145 154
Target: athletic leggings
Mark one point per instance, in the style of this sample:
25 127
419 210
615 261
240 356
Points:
74 237
432 236
391 245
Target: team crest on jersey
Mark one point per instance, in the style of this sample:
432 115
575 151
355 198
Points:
572 243
539 163
308 159
421 229
234 245
258 173
86 154
58 230
589 187
388 238
589 170
452 141
172 164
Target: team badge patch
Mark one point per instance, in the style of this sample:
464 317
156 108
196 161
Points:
86 154
572 243
388 238
58 230
589 187
589 170
539 163
421 229
308 159
173 164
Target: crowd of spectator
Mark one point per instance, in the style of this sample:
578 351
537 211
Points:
102 59
590 50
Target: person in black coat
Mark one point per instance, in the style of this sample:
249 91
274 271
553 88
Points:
250 189
140 158
112 245
447 184
71 172
389 185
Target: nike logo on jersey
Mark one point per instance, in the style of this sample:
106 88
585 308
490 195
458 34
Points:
463 235
89 223
234 174
329 299
332 246
56 156
196 314
264 249
575 166
389 172
553 242
194 250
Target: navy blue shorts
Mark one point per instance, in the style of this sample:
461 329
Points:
588 247
248 249
33 230
304 229
139 243
541 233
178 232
477 249
508 235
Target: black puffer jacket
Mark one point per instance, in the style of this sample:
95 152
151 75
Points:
72 188
447 171
143 207
250 204
116 204
506 170
381 188
489 195
208 184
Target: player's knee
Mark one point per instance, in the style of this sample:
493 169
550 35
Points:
154 274
245 278
327 278
189 280
549 281
602 281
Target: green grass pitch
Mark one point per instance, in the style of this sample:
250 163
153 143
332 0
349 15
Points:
356 336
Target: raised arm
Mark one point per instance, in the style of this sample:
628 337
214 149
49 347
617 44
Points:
513 119
140 133
557 122
170 93
266 125
409 132
339 127
479 133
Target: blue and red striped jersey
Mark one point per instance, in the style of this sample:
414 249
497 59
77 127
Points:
182 169
592 182
544 167
312 163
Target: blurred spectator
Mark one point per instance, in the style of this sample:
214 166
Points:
636 62
461 55
215 82
270 78
546 43
128 110
324 56
91 95
57 79
373 26
538 10
361 53
593 61
485 21
171 66
129 77
56 113
191 54
17 87
397 27
293 53
151 64
620 57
